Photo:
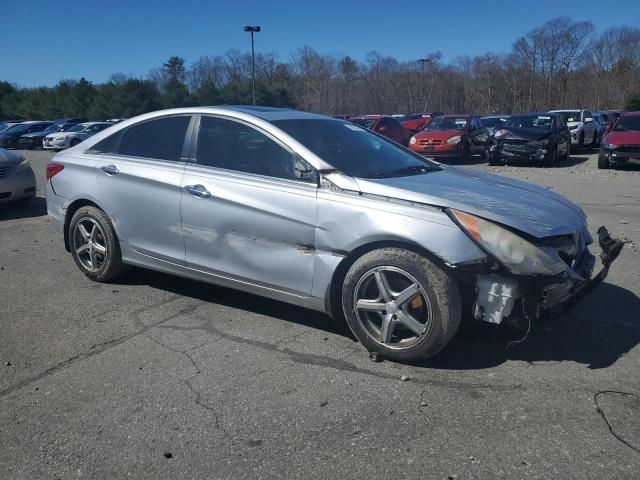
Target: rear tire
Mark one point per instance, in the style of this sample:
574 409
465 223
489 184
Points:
94 245
401 327
581 140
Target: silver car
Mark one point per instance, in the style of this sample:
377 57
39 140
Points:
17 180
319 212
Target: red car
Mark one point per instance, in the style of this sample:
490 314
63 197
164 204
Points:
451 136
621 146
414 122
387 126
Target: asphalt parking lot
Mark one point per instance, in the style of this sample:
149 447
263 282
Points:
162 377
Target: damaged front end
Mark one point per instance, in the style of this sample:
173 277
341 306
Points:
514 280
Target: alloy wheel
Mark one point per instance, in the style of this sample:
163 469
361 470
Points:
392 307
90 244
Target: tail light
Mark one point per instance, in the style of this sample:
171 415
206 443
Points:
53 168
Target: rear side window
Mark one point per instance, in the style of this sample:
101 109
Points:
235 146
162 139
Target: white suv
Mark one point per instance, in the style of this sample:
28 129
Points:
581 125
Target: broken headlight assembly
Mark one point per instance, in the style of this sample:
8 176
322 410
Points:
515 253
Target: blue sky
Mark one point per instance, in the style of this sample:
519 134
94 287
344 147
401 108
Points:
42 42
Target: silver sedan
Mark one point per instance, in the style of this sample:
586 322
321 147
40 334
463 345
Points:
319 212
17 180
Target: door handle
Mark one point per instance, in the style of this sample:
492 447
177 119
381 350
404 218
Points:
110 169
198 191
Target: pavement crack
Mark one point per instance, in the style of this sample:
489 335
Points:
327 362
606 420
196 393
99 347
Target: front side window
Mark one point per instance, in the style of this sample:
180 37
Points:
162 138
235 146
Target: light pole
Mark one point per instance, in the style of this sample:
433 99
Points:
423 61
252 29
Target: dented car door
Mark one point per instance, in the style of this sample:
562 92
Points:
248 208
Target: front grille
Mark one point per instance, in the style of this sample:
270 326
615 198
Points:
4 171
628 149
430 141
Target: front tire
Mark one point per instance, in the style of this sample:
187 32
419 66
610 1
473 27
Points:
94 245
74 142
603 162
400 304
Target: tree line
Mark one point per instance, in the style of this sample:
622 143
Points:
561 64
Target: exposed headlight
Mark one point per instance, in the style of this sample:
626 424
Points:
500 133
412 140
515 253
58 139
454 140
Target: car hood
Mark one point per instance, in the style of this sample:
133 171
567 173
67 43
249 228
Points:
623 137
520 205
525 134
439 134
9 158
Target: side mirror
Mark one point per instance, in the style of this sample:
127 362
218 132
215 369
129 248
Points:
382 129
588 120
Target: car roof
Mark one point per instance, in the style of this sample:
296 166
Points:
455 115
366 117
268 113
496 116
565 110
631 114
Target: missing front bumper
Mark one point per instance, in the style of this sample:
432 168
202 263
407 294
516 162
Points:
497 294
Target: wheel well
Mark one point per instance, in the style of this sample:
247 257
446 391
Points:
343 267
71 210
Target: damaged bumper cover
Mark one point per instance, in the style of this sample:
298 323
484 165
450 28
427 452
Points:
497 294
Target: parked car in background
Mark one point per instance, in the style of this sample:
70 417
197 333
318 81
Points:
493 123
17 180
539 137
414 122
452 136
11 136
33 140
293 206
7 123
73 136
581 126
603 121
384 125
621 146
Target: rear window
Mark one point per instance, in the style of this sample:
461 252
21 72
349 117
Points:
364 122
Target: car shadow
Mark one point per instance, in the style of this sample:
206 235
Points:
599 331
236 299
37 207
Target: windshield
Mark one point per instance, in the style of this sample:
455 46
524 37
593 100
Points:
66 127
569 116
364 122
448 123
541 122
631 122
489 122
353 150
78 128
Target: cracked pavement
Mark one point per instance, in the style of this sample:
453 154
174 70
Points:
161 377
